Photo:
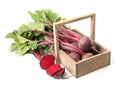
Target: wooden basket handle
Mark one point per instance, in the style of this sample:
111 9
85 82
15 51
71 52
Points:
56 42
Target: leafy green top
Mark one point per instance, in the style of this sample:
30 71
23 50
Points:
45 16
26 37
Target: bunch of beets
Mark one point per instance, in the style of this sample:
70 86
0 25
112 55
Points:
37 38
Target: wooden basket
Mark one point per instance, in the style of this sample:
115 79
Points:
87 65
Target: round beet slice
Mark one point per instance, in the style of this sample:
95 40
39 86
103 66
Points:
53 69
47 61
60 72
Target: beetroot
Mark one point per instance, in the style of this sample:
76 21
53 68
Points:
53 69
47 61
75 56
67 51
59 74
94 50
85 43
87 55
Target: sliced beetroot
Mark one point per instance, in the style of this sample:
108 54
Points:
53 69
47 61
59 73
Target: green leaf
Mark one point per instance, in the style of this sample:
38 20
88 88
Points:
13 35
45 16
34 16
33 45
22 29
22 50
13 47
9 35
41 15
31 26
22 39
52 17
36 26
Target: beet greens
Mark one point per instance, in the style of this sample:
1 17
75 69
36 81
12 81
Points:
37 37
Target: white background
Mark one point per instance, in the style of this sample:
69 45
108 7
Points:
24 72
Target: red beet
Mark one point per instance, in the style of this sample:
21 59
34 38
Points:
67 51
75 56
94 50
59 74
85 43
87 55
53 69
47 61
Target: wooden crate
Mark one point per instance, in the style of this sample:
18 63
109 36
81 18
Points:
87 65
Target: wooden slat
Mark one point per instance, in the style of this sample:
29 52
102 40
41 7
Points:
93 63
75 19
92 31
56 43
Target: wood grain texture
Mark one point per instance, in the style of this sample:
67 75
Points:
92 31
67 62
93 63
56 43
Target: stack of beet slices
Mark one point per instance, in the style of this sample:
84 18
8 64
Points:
48 63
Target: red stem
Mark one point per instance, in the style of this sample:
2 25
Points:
45 42
71 48
70 32
37 54
67 37
63 36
